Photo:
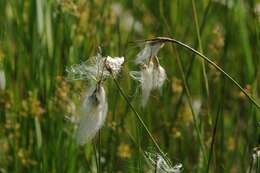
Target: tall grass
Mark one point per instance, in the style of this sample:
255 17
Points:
199 119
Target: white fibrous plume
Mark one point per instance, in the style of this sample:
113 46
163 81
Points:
92 114
161 164
95 67
151 77
114 64
152 74
256 154
2 80
255 160
159 76
145 77
88 70
94 107
146 82
151 49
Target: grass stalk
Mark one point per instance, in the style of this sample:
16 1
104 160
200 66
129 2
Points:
95 155
167 39
200 46
196 126
138 116
191 63
184 79
213 138
99 151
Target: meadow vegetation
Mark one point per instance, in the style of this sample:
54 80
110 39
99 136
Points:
194 119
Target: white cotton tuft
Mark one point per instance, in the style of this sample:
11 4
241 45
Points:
92 116
96 69
162 164
159 76
115 63
2 80
151 78
143 55
146 82
145 77
151 49
88 70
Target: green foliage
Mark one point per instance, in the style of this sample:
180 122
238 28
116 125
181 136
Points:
40 38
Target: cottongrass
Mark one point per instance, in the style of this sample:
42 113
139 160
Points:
150 50
159 76
145 77
95 69
92 115
94 108
152 75
160 164
256 154
255 161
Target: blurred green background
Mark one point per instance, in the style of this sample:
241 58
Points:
40 38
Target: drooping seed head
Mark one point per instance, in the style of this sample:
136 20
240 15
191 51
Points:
92 114
150 50
151 77
159 76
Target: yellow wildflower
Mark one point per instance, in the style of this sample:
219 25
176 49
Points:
124 151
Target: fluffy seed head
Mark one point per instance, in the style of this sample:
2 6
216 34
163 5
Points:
94 108
162 164
151 77
151 49
159 76
145 77
146 82
256 154
92 115
114 64
95 68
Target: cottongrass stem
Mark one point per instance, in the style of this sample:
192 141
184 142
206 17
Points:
174 41
138 117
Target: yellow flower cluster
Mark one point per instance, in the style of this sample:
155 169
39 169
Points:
176 85
124 151
31 106
24 158
63 97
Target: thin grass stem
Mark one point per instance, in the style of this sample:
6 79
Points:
213 138
180 66
203 149
99 151
95 155
167 39
138 116
200 46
